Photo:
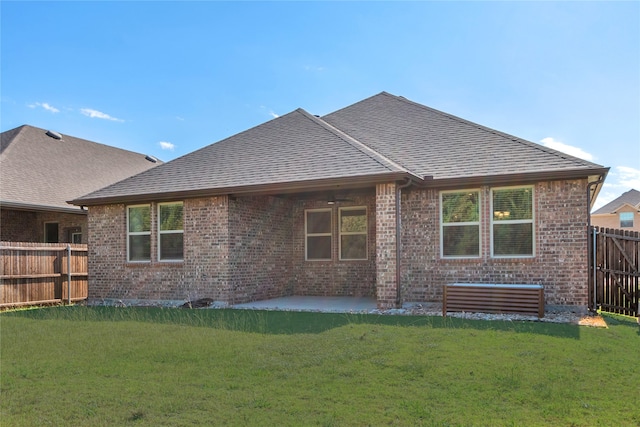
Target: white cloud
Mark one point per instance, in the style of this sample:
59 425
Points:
95 114
629 177
166 145
45 106
619 180
314 68
566 148
270 112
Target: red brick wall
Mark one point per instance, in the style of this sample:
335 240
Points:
386 230
260 252
203 273
28 226
560 261
251 248
335 277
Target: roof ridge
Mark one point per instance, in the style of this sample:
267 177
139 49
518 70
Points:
626 198
513 138
9 137
359 145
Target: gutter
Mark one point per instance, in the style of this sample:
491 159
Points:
322 184
20 206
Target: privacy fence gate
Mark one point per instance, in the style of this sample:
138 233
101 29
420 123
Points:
42 273
614 280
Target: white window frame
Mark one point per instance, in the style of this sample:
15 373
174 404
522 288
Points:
521 221
451 224
163 232
353 233
138 233
307 235
73 237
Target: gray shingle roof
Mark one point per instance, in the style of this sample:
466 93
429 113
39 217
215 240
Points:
292 148
38 171
631 197
430 142
381 136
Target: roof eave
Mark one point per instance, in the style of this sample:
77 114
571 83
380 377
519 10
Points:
262 189
21 206
517 178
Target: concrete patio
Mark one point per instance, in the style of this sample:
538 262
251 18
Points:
321 304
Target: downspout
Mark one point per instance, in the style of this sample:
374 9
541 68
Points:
591 244
399 240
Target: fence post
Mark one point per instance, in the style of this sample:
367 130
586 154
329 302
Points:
69 274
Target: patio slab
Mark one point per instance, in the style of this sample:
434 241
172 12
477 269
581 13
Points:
305 303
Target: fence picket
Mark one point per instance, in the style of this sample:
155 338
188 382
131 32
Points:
617 259
36 273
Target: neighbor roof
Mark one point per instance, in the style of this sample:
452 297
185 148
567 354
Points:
380 139
631 197
41 172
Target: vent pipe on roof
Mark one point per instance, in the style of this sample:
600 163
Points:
151 159
54 134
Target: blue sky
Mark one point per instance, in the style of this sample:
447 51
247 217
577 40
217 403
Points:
166 78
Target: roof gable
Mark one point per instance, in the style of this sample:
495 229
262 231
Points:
631 197
42 172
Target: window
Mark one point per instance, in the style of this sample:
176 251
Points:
139 233
626 219
51 232
318 234
170 232
512 222
460 230
76 238
353 233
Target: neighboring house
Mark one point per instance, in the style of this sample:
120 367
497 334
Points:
41 170
384 198
622 213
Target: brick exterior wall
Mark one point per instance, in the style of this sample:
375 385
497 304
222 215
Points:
260 252
560 261
386 280
203 273
251 248
28 226
335 277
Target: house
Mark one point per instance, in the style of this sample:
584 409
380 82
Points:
622 213
40 170
384 198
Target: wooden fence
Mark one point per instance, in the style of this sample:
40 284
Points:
614 258
42 273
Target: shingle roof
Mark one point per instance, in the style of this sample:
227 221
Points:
430 142
631 197
381 136
38 171
292 148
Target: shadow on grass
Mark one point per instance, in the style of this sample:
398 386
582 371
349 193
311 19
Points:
282 322
620 320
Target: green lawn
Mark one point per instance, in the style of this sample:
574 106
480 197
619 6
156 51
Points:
79 366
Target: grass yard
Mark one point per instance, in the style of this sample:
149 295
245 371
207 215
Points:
104 366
